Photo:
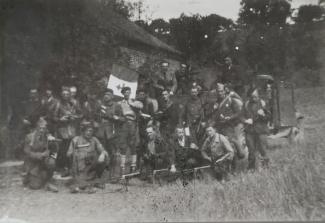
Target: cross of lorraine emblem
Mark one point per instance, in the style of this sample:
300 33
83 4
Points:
119 87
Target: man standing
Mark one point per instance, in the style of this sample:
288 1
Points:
88 159
167 79
39 161
108 116
67 115
194 114
89 107
49 104
218 152
170 115
256 117
31 110
128 132
147 115
27 117
233 76
227 117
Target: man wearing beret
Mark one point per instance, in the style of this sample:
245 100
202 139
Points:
128 130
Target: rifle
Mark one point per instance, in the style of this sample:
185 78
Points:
127 177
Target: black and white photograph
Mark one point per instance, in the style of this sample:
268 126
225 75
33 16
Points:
162 111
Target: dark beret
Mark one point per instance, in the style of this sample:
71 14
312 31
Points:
124 89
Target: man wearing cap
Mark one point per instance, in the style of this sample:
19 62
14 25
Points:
227 118
194 113
217 151
128 131
108 117
39 161
89 159
256 116
67 115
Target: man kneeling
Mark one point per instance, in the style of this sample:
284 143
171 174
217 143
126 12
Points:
218 152
155 154
39 162
89 160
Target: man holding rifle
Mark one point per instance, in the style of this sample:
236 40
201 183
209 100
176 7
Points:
218 152
40 155
227 118
67 115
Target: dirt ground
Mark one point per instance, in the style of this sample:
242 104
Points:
109 204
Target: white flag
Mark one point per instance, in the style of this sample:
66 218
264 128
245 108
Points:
123 77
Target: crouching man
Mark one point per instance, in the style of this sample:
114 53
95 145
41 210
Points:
155 154
40 161
186 154
89 160
218 152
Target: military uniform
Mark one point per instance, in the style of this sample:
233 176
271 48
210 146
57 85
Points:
156 156
108 128
66 129
84 153
256 134
183 156
172 115
233 128
38 162
89 109
194 115
216 147
150 107
168 81
128 130
233 75
48 110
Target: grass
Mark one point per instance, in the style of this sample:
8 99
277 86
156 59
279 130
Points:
291 189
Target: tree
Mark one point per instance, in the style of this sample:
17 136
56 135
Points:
309 13
264 12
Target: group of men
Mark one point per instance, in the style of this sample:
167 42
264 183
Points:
82 139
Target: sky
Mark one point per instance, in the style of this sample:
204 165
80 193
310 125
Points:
167 9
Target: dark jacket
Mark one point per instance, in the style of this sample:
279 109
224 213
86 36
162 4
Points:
260 122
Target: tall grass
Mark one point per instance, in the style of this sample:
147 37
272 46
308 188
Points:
291 189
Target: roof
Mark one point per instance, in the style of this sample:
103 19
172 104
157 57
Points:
133 32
